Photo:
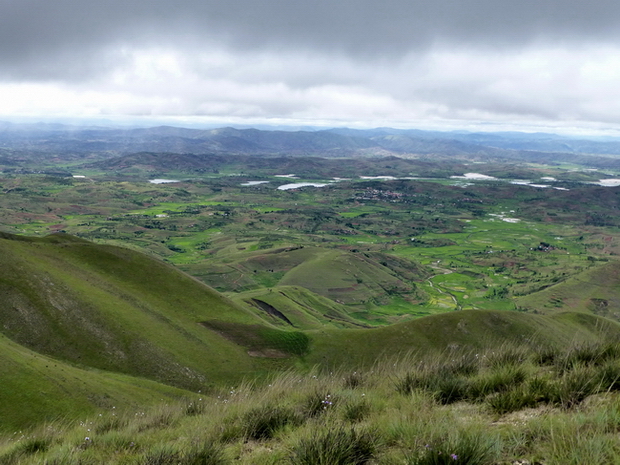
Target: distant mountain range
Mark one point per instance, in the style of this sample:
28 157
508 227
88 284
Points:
343 142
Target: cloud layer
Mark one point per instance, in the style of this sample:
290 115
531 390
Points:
346 62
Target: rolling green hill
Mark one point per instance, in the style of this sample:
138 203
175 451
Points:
296 307
347 282
85 326
36 389
458 332
118 310
596 291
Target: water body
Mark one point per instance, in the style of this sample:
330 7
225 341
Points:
609 182
163 181
517 182
502 216
476 177
296 185
254 183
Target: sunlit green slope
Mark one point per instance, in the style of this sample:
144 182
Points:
86 326
457 331
118 310
35 388
596 290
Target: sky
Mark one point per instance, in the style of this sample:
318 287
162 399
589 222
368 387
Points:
442 64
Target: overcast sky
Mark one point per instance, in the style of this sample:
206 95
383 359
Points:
403 63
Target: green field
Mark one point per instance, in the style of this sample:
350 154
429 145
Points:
477 246
116 291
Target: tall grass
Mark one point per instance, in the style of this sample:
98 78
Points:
521 405
338 446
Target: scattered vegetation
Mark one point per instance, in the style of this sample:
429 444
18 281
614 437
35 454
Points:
361 252
337 276
481 408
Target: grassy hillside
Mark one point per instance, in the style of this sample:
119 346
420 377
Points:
354 285
509 405
349 278
82 318
596 290
118 310
461 330
297 307
36 389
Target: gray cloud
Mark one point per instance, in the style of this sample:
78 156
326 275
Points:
346 61
42 37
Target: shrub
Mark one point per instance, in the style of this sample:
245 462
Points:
318 403
335 447
356 411
511 401
499 380
206 454
465 449
263 422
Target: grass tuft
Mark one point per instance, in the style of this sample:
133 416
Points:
353 380
465 449
513 400
340 446
356 411
208 453
317 403
163 456
500 379
263 422
458 413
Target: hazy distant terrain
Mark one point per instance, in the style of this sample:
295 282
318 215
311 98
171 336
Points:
60 140
143 265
